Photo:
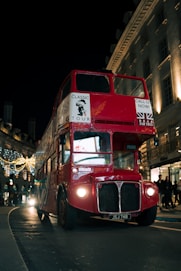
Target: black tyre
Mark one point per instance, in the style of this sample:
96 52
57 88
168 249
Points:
67 215
147 217
43 216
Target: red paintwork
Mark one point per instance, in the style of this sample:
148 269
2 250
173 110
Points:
109 112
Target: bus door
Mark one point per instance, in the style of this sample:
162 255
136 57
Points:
64 165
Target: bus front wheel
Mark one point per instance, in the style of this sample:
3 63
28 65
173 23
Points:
147 217
43 216
66 213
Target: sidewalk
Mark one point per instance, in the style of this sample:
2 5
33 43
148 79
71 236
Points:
11 258
171 214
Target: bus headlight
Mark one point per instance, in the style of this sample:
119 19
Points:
81 192
31 201
150 191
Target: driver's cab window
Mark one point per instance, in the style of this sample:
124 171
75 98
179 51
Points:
123 159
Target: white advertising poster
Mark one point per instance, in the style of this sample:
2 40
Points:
80 107
144 112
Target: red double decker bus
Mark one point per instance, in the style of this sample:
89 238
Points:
87 161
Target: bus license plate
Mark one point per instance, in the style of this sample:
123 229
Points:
121 216
124 216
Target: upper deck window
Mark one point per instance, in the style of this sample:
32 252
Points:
129 87
92 83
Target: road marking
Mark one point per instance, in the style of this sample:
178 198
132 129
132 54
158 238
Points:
165 228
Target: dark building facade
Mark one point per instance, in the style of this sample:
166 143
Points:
150 47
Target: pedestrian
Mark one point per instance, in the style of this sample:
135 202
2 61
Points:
23 194
160 184
1 196
168 193
179 189
175 193
15 192
6 194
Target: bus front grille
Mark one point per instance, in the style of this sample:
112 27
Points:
117 197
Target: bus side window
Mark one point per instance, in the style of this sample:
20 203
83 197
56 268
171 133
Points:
104 142
66 89
65 147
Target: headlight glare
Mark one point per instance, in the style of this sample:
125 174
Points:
150 191
81 192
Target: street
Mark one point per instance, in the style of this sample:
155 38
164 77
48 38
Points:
98 245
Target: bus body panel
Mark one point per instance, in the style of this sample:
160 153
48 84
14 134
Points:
87 159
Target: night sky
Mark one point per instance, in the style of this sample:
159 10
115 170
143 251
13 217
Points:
41 43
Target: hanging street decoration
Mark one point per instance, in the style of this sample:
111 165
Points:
13 162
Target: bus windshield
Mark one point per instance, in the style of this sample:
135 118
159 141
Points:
100 83
124 159
91 148
92 83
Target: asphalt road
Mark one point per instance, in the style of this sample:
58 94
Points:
95 246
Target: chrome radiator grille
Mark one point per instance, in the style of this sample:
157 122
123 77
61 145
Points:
117 197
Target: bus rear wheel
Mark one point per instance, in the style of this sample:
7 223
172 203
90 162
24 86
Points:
66 213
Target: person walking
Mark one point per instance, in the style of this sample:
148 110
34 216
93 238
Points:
160 184
179 190
175 193
168 193
6 194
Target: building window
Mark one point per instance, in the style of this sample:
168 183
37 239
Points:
163 49
167 92
132 56
160 17
146 68
149 86
144 38
124 67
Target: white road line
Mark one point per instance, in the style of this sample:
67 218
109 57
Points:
165 228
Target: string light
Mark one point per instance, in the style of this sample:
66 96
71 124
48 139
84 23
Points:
14 162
